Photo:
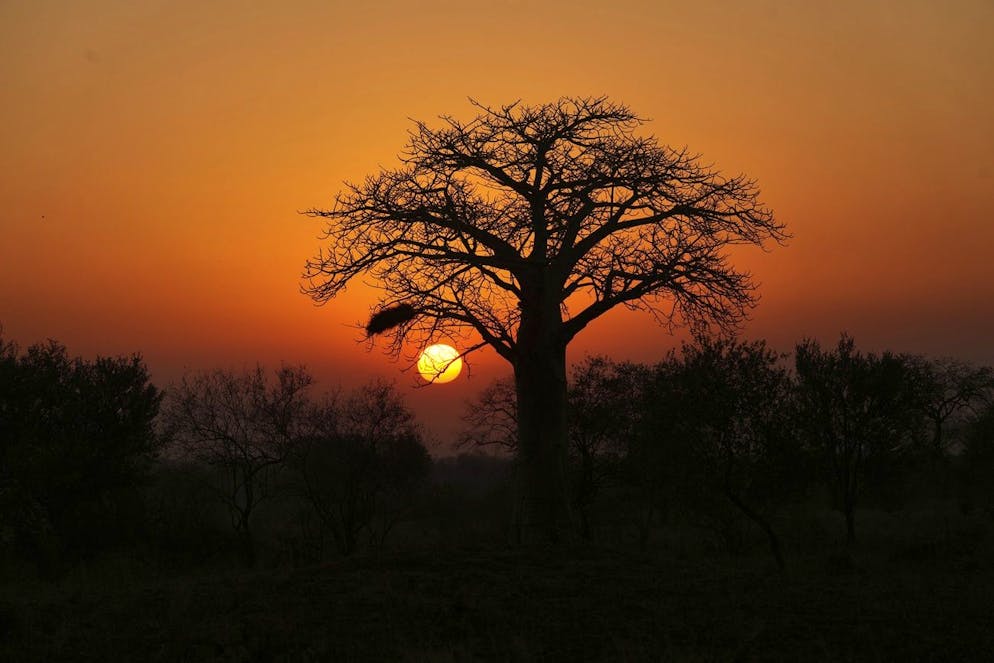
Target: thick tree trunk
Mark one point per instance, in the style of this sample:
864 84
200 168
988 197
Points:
540 379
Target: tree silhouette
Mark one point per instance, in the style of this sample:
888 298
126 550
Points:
76 442
978 462
245 427
603 400
951 389
362 464
517 229
857 409
491 418
735 418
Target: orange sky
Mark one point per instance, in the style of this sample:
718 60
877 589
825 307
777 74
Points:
153 156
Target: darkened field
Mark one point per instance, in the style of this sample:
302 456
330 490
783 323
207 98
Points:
589 603
728 511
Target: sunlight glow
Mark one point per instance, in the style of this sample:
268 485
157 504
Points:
439 363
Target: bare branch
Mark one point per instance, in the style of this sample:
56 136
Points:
523 207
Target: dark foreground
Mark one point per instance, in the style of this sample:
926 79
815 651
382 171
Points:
524 605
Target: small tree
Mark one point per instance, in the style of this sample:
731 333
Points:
76 440
8 391
856 409
734 413
951 391
978 462
363 465
491 418
603 400
519 228
658 463
244 427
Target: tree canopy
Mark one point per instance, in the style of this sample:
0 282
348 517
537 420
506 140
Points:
563 198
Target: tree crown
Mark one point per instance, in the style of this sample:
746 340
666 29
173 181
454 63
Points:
558 207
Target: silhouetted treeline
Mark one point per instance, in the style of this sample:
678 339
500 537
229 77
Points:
724 445
725 433
76 444
89 464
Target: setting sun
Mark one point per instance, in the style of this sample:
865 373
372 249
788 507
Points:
439 363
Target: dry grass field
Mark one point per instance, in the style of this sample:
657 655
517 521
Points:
526 604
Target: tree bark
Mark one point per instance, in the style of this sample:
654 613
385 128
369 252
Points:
540 381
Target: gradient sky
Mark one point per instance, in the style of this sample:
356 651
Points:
154 155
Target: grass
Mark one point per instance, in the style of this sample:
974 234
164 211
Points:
529 604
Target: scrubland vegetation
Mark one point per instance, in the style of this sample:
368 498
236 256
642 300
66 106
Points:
730 502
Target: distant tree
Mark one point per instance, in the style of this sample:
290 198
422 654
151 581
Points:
491 418
362 466
244 426
519 228
951 391
603 414
856 409
734 402
8 412
76 441
655 464
977 465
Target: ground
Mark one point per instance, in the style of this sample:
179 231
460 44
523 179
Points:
585 604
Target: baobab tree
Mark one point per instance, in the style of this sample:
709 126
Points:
517 229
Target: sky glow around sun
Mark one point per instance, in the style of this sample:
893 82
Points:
156 155
439 363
